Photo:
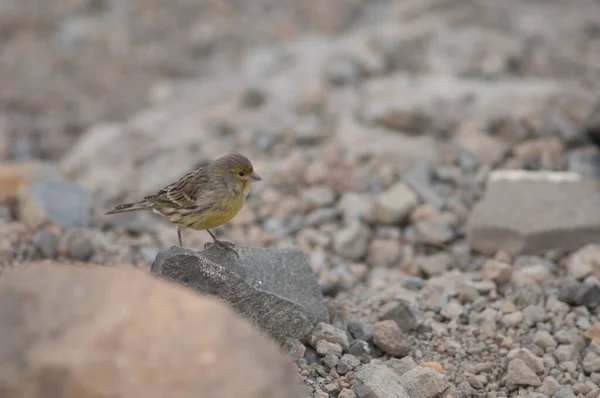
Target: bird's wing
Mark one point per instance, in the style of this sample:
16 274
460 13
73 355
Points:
183 193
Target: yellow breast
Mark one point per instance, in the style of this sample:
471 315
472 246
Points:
214 216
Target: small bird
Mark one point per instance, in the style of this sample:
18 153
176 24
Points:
204 198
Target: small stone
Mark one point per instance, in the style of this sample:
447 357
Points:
318 196
532 361
565 392
346 393
352 241
331 360
512 319
324 347
419 179
534 314
544 340
519 374
591 362
343 70
578 294
395 204
81 248
566 353
474 381
384 253
434 230
359 349
361 330
435 264
421 382
549 386
584 261
593 333
453 309
347 364
486 320
389 338
46 242
294 349
58 202
375 380
355 206
325 331
497 271
404 315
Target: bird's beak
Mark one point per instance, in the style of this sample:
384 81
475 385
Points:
255 176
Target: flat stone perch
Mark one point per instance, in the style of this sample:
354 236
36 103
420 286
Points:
273 288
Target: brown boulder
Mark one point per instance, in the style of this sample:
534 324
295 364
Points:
86 331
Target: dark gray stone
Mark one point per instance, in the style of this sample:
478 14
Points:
404 315
578 294
273 288
532 212
46 242
359 349
361 330
347 364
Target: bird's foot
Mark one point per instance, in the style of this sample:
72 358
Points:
229 246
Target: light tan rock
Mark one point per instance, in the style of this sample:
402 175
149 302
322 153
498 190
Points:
121 333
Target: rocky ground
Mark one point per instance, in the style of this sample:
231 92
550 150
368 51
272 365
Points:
434 160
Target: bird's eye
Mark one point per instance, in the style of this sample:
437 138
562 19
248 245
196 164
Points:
241 174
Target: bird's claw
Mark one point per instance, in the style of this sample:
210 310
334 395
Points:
229 246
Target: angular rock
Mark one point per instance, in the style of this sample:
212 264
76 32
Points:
422 382
359 349
324 347
404 315
577 294
361 330
278 279
549 386
533 212
544 340
497 271
94 331
434 264
57 201
375 380
347 364
402 365
325 331
395 204
585 261
434 230
390 339
519 374
532 361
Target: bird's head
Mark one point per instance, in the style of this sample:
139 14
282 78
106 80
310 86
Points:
237 171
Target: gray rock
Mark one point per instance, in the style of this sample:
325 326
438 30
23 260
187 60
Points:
435 264
359 349
343 70
59 202
422 382
347 364
534 314
544 340
402 365
331 360
352 241
324 347
419 179
355 206
325 331
532 361
391 339
566 353
532 212
395 204
294 349
525 295
586 164
435 230
584 261
375 380
519 374
549 386
81 248
46 242
452 310
577 294
565 392
361 330
404 315
278 279
591 362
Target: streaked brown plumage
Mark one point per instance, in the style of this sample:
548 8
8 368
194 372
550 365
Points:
204 198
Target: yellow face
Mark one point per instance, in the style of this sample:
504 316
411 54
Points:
244 177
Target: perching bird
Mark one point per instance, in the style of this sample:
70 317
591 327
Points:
204 198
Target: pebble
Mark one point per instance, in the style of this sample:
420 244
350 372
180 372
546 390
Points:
549 386
384 253
375 380
423 382
318 196
294 349
331 360
346 393
513 319
420 179
325 331
519 374
347 364
361 330
395 204
434 230
532 361
391 339
359 349
46 242
352 241
404 316
534 314
324 347
577 294
497 271
81 248
565 392
355 206
453 309
566 353
584 261
435 264
544 340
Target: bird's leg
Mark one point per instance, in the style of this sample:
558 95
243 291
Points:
179 236
225 245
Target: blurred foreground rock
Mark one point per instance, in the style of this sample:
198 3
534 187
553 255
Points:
72 331
533 212
274 288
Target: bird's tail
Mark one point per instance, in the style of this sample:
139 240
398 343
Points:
129 207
